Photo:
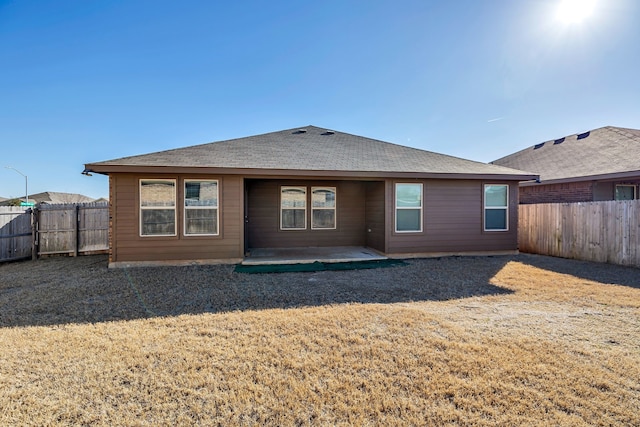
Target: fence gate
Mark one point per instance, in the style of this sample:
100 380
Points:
72 228
16 233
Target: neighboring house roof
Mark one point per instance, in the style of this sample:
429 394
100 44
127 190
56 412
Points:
52 197
604 153
308 151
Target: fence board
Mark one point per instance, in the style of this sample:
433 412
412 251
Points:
596 231
15 233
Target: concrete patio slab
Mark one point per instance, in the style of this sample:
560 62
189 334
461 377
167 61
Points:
269 256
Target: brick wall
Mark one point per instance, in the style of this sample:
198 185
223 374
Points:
557 193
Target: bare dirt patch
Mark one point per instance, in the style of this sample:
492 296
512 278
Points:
458 341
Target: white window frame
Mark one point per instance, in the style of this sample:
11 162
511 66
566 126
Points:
143 208
397 208
306 202
334 208
504 208
635 190
216 208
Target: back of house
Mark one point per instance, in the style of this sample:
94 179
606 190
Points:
305 187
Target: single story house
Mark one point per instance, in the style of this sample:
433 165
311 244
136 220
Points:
305 187
602 164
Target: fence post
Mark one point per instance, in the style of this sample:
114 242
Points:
77 232
34 233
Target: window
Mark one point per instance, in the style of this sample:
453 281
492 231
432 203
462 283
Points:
496 206
323 208
625 192
408 208
200 208
157 207
293 208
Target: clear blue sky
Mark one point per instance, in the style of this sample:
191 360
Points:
85 81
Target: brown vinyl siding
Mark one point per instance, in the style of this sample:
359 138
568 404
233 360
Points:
453 220
264 215
603 191
128 245
112 218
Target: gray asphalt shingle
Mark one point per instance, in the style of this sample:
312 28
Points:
607 150
315 149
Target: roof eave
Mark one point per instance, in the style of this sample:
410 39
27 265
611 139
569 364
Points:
601 177
108 169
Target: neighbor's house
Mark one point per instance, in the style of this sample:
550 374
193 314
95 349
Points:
603 164
48 197
307 187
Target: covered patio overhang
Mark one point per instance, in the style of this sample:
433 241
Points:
352 216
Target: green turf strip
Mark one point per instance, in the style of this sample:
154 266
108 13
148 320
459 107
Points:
317 266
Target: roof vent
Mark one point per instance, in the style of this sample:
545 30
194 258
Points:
299 131
328 132
583 135
558 141
535 147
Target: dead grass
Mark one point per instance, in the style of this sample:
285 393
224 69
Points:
560 349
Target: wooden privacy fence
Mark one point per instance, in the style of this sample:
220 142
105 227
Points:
595 231
72 229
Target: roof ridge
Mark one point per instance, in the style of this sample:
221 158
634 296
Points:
625 132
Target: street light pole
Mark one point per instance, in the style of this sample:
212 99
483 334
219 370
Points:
26 183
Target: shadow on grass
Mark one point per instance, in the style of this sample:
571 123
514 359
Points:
82 290
594 271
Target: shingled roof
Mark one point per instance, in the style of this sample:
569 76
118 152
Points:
607 152
49 197
307 151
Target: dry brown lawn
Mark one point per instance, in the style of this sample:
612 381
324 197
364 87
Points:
559 344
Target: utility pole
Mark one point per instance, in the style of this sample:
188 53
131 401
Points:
26 183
